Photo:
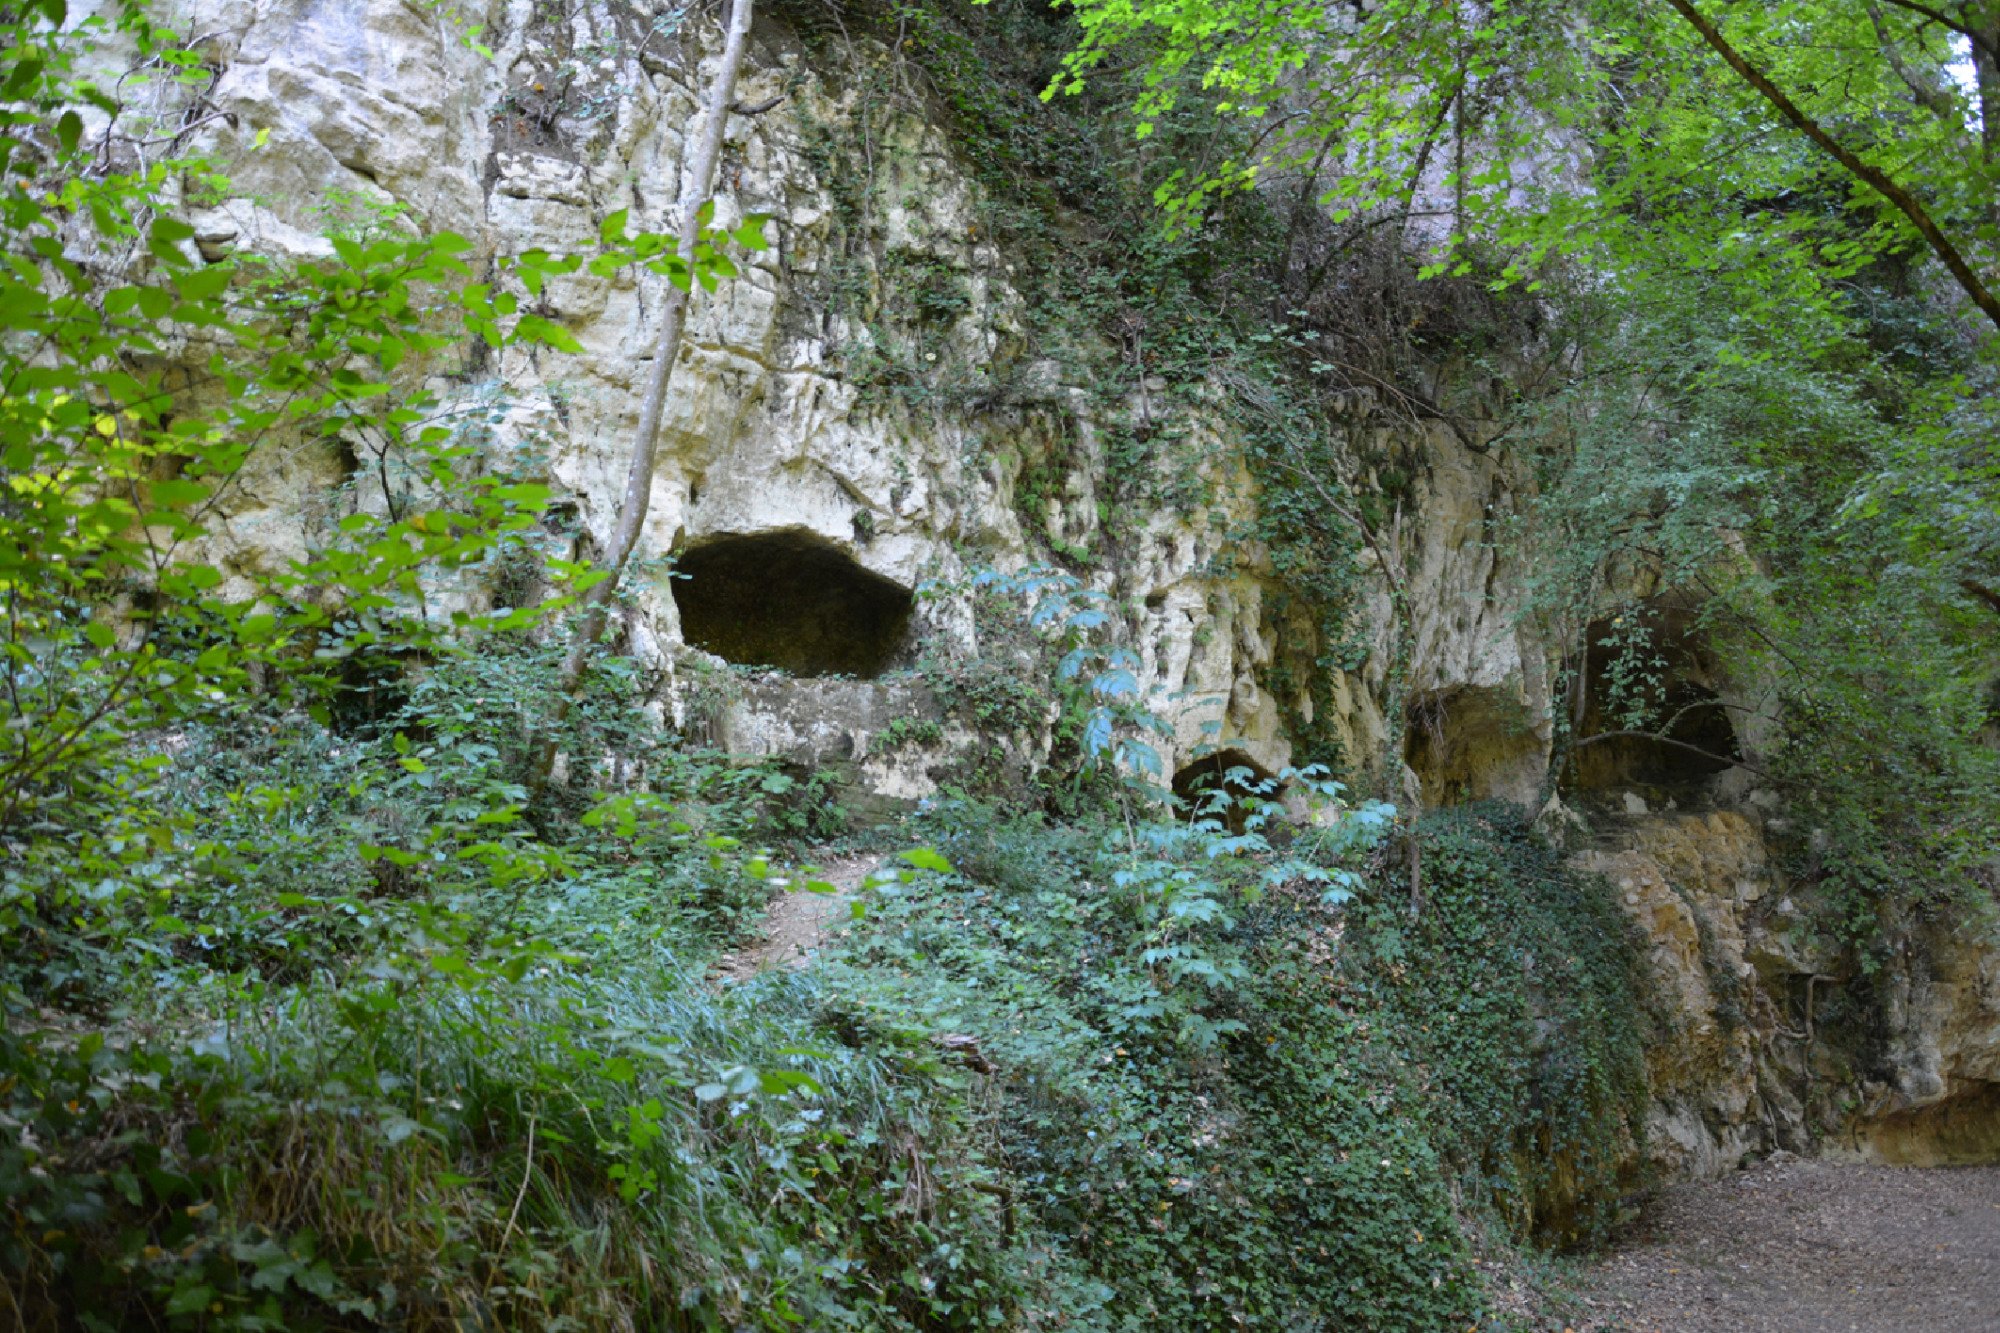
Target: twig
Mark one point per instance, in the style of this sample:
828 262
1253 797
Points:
1907 204
1678 745
527 1173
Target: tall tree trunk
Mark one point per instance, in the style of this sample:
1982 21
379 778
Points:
697 184
1985 46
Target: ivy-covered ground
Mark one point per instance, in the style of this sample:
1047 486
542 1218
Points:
1125 1070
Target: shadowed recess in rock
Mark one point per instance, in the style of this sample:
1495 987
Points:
1472 744
790 600
1223 769
1651 715
1961 1130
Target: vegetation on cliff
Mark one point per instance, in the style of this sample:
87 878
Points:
328 1005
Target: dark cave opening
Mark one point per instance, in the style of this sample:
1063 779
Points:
370 690
1651 716
1232 771
790 600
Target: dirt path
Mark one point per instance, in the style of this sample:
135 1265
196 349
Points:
1808 1247
799 923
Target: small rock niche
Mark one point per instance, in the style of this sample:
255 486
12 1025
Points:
1194 780
790 600
1472 744
1671 669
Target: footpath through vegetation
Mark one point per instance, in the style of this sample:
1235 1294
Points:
1809 1247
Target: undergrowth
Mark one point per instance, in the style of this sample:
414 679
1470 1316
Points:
415 1070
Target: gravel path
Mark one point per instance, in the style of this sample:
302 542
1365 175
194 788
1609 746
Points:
1808 1247
798 922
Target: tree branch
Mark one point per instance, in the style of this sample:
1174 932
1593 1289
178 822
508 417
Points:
1678 745
1983 593
1959 26
1929 95
1870 175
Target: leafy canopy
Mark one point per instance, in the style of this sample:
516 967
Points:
1611 129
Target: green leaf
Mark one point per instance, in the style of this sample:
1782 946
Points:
926 858
397 1128
529 495
536 329
22 78
176 493
190 1300
69 131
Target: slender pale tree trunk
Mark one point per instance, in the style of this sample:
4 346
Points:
697 185
1985 45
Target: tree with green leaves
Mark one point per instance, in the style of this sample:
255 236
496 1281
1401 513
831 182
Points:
142 380
693 259
1599 125
1762 239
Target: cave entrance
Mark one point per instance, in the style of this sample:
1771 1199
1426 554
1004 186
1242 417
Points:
790 600
1651 716
1231 771
1470 743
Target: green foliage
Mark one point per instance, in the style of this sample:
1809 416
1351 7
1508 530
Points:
1822 515
1290 1159
576 1149
127 619
448 1061
1670 158
1516 994
301 998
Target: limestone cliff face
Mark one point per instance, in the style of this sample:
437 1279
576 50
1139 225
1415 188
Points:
1766 1038
376 105
967 447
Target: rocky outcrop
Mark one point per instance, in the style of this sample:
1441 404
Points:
965 446
1936 1099
1766 1037
381 114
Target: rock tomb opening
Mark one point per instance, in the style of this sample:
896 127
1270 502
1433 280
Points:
1651 715
790 600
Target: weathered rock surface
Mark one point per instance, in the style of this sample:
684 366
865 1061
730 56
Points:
381 110
1768 1039
377 112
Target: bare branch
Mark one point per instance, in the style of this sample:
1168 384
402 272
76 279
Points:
1655 737
1959 26
1929 94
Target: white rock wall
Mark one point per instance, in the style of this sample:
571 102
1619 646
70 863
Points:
382 103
